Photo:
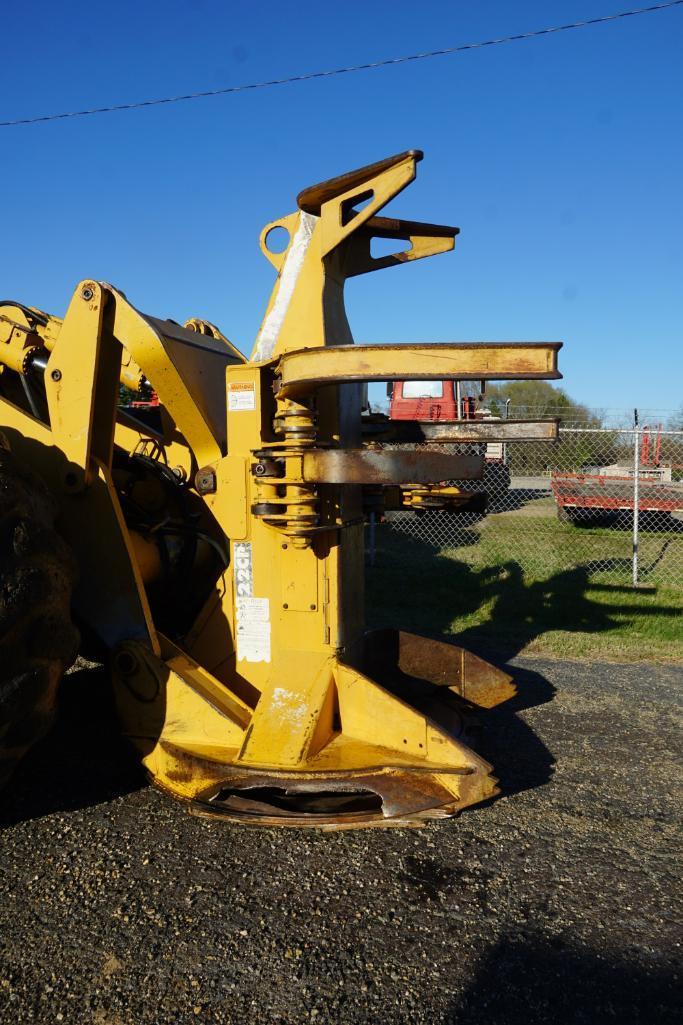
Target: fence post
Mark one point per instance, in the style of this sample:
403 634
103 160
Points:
636 494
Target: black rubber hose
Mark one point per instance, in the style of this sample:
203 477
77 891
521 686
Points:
36 318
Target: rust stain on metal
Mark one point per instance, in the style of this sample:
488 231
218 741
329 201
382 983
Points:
366 466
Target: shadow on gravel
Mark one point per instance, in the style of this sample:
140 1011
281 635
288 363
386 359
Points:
83 762
520 759
448 588
533 980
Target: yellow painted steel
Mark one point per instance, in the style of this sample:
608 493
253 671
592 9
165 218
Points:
299 373
262 701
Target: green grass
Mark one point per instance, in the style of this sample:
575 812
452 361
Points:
533 586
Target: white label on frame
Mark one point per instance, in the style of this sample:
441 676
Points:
252 615
241 396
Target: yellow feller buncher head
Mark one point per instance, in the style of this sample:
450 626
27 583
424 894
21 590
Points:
220 535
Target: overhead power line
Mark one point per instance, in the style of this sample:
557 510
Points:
309 76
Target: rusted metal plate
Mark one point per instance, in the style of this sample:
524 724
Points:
388 796
388 466
474 431
304 370
396 657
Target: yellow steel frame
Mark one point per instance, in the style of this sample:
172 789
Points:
271 682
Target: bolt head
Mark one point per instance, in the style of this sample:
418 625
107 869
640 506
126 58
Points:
87 293
205 481
56 375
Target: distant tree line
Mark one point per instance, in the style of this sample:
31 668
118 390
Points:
535 400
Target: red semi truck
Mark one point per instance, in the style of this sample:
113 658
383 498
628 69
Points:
442 401
424 400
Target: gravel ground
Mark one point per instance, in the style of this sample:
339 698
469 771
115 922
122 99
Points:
555 903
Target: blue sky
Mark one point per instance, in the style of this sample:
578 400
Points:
561 159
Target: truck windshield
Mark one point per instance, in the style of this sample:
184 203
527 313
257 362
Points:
423 389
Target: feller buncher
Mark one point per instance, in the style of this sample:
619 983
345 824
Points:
217 548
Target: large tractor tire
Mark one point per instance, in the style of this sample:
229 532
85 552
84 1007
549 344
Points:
38 640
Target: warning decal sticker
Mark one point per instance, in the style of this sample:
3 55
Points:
241 396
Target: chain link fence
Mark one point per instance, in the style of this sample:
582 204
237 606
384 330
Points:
605 499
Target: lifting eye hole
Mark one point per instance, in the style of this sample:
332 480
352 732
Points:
277 239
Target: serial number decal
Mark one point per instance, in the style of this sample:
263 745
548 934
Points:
252 614
244 574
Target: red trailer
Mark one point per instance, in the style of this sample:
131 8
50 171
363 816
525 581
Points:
606 490
582 495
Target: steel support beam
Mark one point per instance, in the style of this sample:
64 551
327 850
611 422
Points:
470 431
388 466
302 371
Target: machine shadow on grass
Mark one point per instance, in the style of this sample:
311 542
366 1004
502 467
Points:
531 979
413 587
84 761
